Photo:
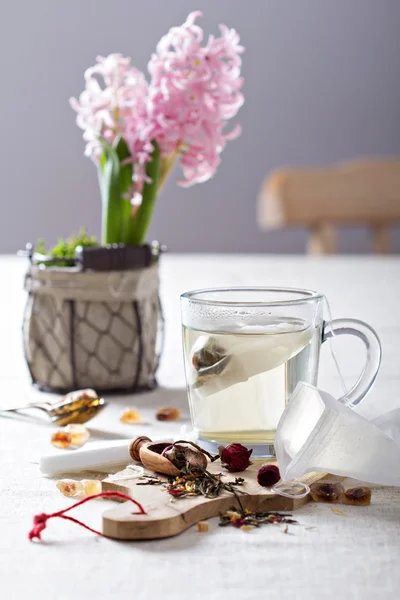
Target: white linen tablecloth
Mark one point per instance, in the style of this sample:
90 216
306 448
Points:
327 556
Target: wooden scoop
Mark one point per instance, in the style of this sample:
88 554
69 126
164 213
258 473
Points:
149 454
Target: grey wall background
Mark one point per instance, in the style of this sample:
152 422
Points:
322 83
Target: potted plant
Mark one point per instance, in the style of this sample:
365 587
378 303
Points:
93 312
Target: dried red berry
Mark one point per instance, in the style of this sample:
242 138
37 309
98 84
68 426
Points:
268 475
235 457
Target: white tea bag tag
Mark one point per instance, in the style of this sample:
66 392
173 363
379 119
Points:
319 433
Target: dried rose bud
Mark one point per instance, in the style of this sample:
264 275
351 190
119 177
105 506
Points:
235 457
358 496
268 475
326 491
168 414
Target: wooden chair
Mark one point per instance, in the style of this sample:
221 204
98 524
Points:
358 192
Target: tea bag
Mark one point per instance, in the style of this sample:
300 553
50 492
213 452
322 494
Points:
389 423
220 361
319 433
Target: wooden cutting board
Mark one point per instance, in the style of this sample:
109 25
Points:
167 516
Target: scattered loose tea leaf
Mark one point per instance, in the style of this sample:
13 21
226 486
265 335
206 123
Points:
337 511
150 480
200 482
210 456
285 530
246 518
180 456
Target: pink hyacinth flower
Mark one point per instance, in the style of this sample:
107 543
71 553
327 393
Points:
193 92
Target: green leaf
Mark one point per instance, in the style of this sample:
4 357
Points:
109 177
125 179
144 214
126 170
41 246
102 161
65 248
115 180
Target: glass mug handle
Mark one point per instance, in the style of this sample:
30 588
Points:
374 354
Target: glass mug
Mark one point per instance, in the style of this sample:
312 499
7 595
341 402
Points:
245 350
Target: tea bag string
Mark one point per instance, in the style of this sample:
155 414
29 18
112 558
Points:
291 489
329 322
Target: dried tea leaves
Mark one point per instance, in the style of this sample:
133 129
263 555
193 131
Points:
184 456
247 519
202 483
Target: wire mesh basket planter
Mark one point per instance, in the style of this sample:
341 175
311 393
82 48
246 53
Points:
93 328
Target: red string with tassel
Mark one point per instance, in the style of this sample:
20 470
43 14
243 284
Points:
40 520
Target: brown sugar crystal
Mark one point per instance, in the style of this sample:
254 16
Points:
61 439
168 414
131 416
326 491
357 496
